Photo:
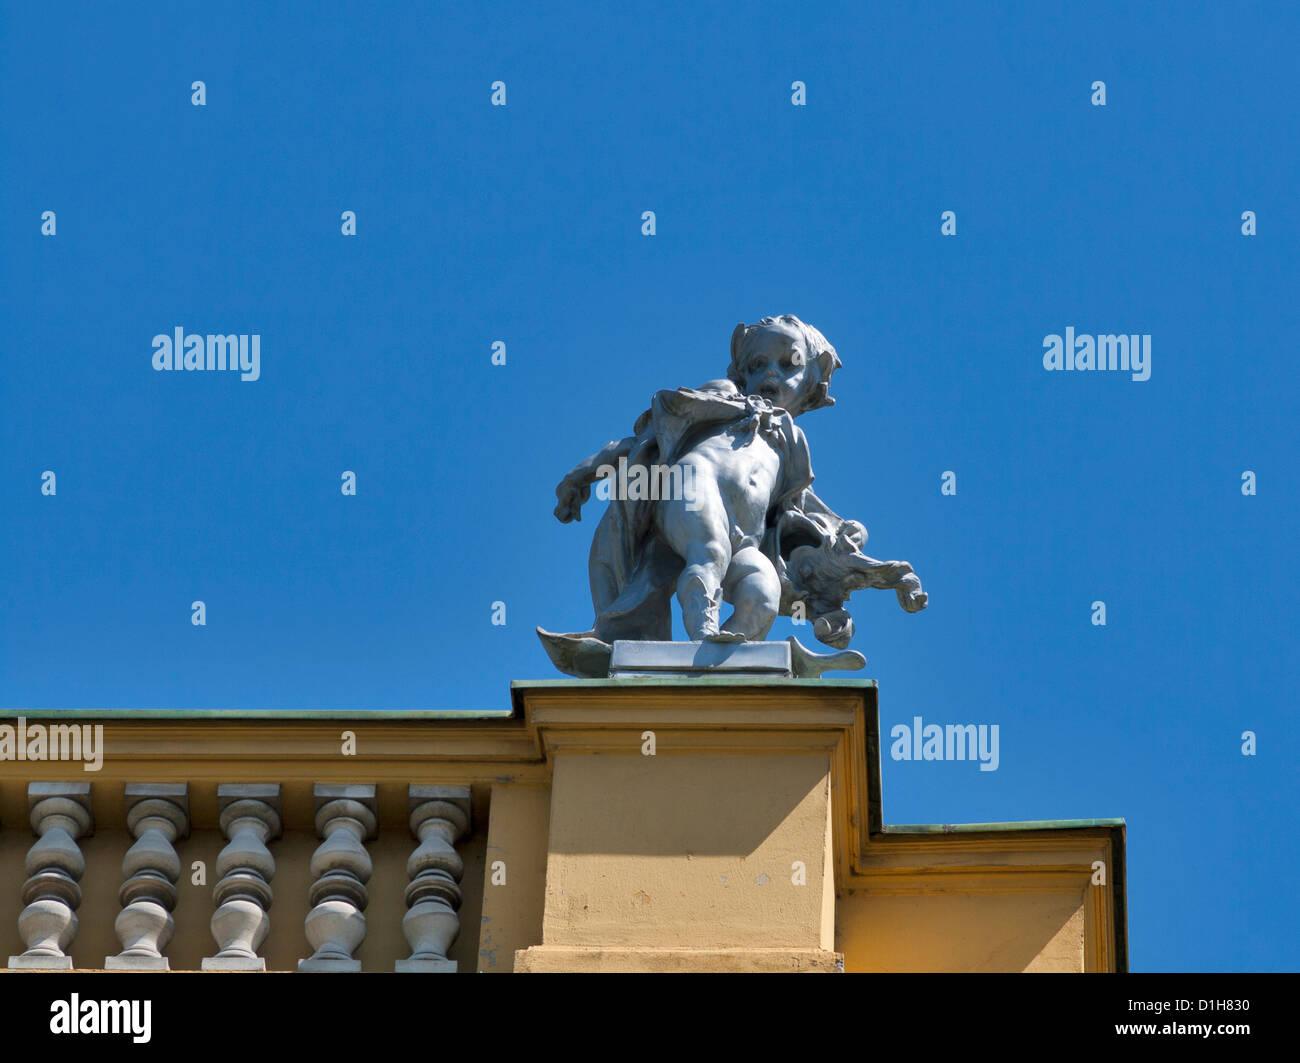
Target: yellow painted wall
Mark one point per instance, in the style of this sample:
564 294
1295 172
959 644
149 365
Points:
518 835
687 851
962 932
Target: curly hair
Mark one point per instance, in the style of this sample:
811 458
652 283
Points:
823 361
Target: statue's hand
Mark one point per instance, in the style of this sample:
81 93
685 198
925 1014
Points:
571 494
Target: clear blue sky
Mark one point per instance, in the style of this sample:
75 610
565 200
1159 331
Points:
523 224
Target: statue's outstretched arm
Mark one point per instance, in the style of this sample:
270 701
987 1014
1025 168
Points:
575 488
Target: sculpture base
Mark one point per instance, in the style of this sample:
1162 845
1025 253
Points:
631 659
708 850
580 654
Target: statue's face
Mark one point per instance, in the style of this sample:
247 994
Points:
776 366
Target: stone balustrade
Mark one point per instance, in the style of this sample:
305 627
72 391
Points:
421 904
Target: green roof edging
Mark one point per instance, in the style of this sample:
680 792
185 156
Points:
1012 825
429 714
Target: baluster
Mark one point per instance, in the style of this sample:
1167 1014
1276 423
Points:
335 926
439 816
157 814
60 816
250 817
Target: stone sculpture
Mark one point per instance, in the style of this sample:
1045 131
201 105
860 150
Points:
711 500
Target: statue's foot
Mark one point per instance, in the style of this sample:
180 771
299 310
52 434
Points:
725 636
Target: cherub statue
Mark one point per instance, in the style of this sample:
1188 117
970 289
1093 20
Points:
736 519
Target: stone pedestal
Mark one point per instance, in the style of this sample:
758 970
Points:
699 659
690 825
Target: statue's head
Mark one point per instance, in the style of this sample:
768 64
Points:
784 361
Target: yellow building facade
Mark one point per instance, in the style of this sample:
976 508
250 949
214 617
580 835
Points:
720 824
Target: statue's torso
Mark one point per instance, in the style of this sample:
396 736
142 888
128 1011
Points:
739 474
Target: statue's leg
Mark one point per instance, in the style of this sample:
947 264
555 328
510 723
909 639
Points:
699 537
753 587
699 588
